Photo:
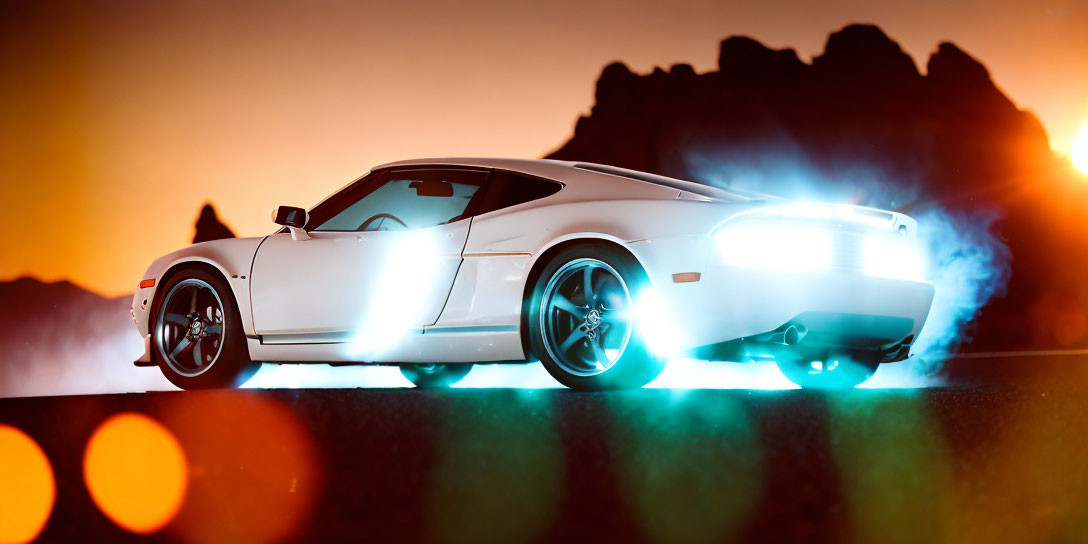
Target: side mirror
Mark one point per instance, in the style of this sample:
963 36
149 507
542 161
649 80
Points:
294 219
290 216
432 187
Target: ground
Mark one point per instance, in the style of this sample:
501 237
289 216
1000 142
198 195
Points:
978 463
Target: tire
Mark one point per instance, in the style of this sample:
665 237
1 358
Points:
826 370
435 375
572 334
195 315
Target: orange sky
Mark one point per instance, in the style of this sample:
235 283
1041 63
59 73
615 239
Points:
119 119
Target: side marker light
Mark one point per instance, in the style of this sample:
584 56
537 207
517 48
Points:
686 277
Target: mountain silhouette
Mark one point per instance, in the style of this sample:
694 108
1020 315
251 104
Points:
861 124
68 340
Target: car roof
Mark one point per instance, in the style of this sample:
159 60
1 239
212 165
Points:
580 172
528 166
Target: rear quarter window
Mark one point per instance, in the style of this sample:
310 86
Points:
508 189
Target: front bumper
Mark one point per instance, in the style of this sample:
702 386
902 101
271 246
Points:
141 318
841 306
145 359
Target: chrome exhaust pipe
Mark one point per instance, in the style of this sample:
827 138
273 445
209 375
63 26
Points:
792 334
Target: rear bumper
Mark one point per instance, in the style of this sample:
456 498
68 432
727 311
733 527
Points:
838 307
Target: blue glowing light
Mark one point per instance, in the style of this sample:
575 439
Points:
692 374
315 376
527 376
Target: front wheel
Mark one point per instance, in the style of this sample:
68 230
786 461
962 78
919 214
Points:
582 320
197 336
826 370
435 374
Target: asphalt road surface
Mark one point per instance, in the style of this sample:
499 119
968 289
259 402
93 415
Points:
977 463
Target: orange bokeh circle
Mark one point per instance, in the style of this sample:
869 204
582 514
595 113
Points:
136 472
27 488
256 474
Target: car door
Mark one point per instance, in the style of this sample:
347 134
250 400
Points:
381 258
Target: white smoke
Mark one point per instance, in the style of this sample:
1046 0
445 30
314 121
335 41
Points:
969 265
81 345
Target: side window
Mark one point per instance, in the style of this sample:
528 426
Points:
509 189
404 200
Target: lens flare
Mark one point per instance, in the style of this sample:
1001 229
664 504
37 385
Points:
690 467
136 472
398 302
1080 151
259 475
27 488
894 466
481 492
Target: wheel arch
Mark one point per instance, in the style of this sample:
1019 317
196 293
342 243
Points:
178 267
545 256
192 262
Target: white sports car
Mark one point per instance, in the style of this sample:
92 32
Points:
600 273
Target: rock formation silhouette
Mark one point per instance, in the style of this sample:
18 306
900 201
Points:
861 124
861 102
209 227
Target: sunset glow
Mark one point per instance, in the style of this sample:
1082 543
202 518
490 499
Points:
121 123
1080 150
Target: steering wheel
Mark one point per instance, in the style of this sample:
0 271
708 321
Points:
382 222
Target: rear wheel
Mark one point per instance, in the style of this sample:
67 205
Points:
197 338
581 320
826 369
435 374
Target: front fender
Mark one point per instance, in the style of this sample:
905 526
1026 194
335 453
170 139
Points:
232 257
